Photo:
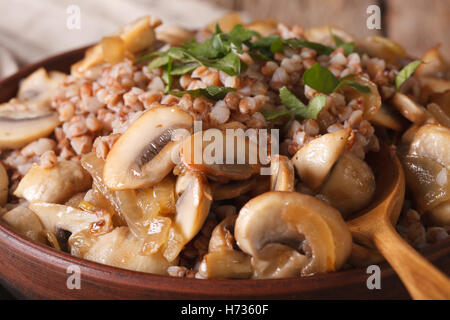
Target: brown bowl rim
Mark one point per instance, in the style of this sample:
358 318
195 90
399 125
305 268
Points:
205 287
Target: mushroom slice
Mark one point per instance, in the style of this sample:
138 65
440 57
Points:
433 142
20 128
428 180
4 183
440 215
264 28
388 117
230 156
120 248
174 35
371 101
431 86
293 230
56 184
143 154
222 235
25 222
232 189
381 47
408 108
55 217
226 264
135 37
282 174
324 34
125 202
222 261
314 161
139 35
193 207
434 65
440 113
38 88
350 185
226 22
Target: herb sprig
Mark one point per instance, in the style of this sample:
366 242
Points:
323 80
406 72
211 92
296 107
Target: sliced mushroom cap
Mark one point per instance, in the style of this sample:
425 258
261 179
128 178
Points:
324 34
174 35
55 217
4 183
118 248
125 202
38 88
314 161
282 174
428 180
56 184
217 153
371 101
408 108
143 154
226 264
440 215
193 207
431 86
19 128
222 236
434 65
135 37
350 185
222 260
293 232
233 189
226 22
264 28
381 47
388 117
433 142
25 222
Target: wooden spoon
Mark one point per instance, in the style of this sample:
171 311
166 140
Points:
374 227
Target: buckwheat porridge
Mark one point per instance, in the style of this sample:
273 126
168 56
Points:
230 152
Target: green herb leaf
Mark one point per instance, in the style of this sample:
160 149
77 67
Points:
348 47
320 79
275 114
300 43
211 92
149 56
323 80
406 72
180 68
298 108
169 75
158 62
230 64
353 84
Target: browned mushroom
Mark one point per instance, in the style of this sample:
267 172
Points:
289 234
143 155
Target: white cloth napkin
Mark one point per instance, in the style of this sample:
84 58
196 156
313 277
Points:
32 30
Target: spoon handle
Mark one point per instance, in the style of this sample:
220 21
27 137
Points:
420 277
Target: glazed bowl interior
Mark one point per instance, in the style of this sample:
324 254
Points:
33 270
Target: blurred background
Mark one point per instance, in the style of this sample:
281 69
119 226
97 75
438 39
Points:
31 30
